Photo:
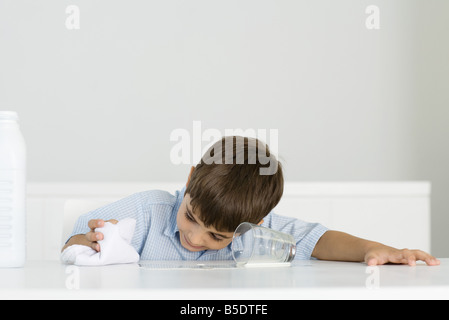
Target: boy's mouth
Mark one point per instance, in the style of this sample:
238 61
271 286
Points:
191 245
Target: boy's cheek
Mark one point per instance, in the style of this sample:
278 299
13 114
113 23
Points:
181 239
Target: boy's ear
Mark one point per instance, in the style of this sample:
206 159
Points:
190 175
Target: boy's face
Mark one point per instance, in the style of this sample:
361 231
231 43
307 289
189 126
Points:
194 235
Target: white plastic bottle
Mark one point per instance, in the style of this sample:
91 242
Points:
12 191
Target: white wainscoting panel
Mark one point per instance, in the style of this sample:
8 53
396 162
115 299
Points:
395 213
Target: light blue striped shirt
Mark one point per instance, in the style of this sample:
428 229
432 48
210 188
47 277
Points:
156 236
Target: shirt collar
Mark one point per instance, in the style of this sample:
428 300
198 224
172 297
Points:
172 227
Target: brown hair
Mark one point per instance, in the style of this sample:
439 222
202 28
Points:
231 189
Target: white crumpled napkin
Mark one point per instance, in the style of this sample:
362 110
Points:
115 248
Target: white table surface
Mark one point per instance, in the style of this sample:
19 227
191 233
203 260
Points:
185 280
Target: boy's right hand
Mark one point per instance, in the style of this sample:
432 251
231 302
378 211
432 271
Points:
93 236
89 239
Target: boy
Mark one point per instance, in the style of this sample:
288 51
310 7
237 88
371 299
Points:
223 190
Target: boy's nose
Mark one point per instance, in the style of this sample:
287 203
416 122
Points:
196 239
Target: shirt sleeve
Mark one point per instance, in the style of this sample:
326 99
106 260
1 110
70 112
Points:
306 234
129 207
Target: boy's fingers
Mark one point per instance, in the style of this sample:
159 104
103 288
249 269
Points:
433 261
404 256
429 259
414 255
95 223
412 260
94 236
375 260
95 246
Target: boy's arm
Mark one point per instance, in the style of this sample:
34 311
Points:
340 246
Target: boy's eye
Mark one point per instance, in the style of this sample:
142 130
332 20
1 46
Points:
189 217
213 236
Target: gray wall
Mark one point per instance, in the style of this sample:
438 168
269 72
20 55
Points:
350 104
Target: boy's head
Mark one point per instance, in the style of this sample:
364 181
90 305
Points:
229 186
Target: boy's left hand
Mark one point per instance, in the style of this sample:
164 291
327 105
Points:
384 254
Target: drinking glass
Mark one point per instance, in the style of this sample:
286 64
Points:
254 244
